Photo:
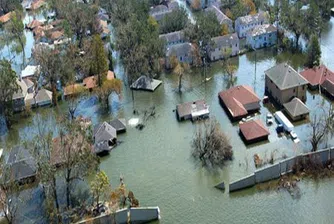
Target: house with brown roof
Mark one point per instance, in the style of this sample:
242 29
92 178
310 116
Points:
5 18
72 89
253 131
90 82
283 83
239 101
296 109
33 24
320 77
192 110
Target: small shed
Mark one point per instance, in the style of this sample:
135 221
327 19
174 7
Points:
296 109
43 98
192 110
253 131
146 83
119 125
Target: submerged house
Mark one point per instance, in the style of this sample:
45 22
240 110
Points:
119 125
320 77
192 110
253 131
239 101
22 167
105 138
262 36
20 96
43 97
296 109
224 46
221 17
283 83
145 83
182 52
246 23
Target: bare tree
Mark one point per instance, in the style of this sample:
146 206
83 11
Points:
211 145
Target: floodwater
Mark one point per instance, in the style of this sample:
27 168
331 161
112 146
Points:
157 164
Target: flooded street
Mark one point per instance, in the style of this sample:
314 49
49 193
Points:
156 162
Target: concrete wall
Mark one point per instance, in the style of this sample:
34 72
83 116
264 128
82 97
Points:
142 215
121 216
245 182
332 153
287 165
268 173
220 186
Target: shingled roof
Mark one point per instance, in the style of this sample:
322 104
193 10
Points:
317 75
261 16
285 77
225 40
262 29
296 108
253 129
221 17
173 37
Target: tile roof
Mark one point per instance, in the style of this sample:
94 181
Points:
236 98
285 77
317 75
262 29
253 129
296 108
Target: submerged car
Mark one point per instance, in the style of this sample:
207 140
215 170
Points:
270 119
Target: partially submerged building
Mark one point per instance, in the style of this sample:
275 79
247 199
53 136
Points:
262 36
20 96
239 101
22 167
246 23
253 131
105 138
183 53
145 83
283 83
119 125
192 110
296 109
224 46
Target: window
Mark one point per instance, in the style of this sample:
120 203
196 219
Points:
271 81
304 87
294 90
180 58
236 44
270 35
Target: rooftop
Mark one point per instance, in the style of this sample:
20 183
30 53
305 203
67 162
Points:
180 49
22 92
30 70
173 37
253 129
226 40
118 124
110 75
285 77
33 24
104 132
328 85
5 18
90 82
296 107
261 16
43 96
192 107
317 75
236 99
145 83
221 17
262 29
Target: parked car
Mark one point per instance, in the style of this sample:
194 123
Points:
270 119
294 137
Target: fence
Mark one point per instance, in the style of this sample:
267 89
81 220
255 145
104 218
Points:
276 170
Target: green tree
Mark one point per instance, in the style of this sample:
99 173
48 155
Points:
108 87
99 61
10 5
8 87
313 52
175 21
100 187
14 33
179 69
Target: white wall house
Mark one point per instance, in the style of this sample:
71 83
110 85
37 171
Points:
262 36
227 45
246 23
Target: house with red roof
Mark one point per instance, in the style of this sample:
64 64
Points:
320 76
253 131
239 101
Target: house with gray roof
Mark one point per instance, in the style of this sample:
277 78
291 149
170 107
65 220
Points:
192 110
43 98
119 125
262 36
246 23
158 12
19 96
224 46
296 109
105 138
182 52
221 17
173 38
283 83
145 83
21 165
